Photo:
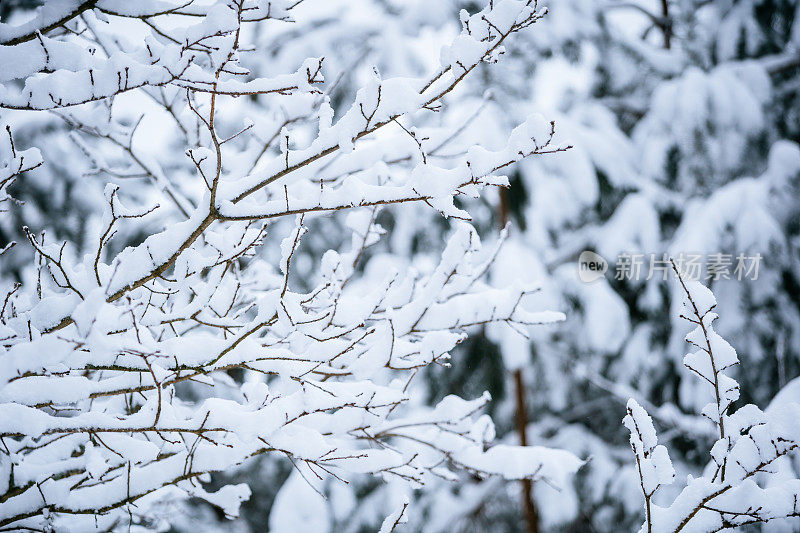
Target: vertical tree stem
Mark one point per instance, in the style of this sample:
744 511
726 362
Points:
667 25
521 414
528 503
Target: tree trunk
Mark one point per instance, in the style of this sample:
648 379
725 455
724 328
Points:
521 415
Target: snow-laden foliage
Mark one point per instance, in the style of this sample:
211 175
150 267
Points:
684 118
105 345
744 484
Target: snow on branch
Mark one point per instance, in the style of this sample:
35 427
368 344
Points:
13 162
95 428
743 485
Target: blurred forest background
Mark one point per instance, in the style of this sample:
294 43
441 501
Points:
685 119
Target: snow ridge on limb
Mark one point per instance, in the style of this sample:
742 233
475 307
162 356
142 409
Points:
652 459
743 485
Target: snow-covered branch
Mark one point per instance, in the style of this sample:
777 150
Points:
97 429
743 484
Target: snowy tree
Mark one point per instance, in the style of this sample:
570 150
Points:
681 116
185 277
684 122
744 484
